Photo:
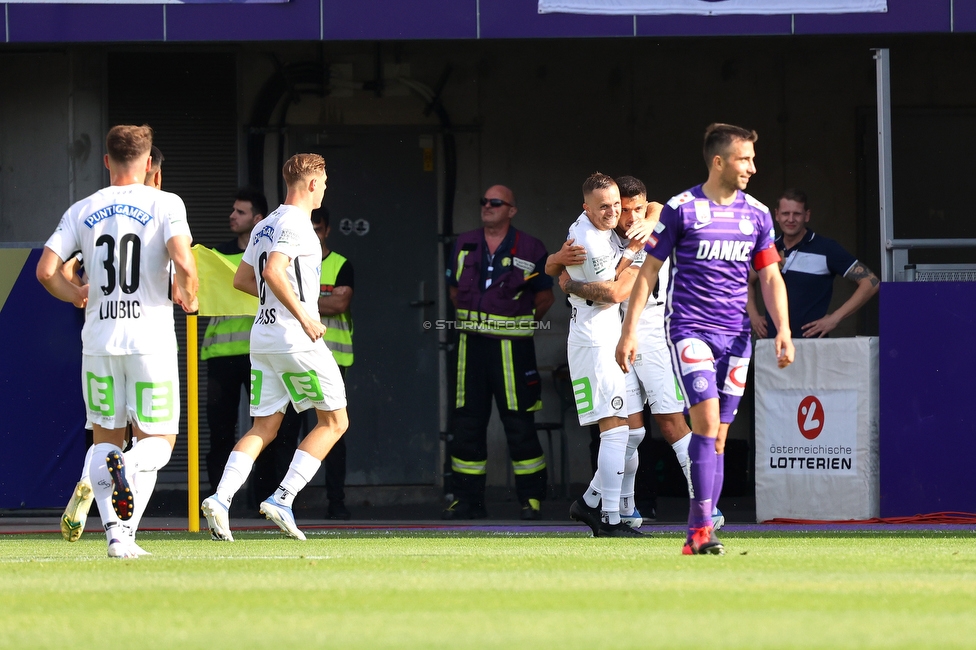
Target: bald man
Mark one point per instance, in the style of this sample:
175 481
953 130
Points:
500 290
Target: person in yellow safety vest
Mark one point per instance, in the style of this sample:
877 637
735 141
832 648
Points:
335 296
337 282
226 344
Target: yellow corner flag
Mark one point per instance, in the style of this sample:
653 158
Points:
217 294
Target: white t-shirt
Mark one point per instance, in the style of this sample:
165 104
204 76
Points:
591 323
121 232
650 327
287 230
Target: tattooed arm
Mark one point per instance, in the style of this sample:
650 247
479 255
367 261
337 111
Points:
867 285
609 292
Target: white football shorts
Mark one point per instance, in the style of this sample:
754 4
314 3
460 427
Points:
309 379
141 388
599 386
657 379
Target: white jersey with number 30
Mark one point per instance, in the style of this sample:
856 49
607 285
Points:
121 232
287 230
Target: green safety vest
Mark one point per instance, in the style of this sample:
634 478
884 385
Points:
338 332
227 336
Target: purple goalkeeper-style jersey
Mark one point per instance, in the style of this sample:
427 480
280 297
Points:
713 247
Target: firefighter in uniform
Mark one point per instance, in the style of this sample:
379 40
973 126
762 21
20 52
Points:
500 291
226 345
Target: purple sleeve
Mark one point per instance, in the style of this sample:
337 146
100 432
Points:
662 243
451 271
765 239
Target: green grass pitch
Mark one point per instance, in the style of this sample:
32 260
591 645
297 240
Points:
372 589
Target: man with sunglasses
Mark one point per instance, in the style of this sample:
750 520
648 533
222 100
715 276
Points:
500 292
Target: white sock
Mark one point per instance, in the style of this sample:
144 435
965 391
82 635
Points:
593 493
236 471
631 463
300 472
610 467
142 465
101 482
84 468
681 453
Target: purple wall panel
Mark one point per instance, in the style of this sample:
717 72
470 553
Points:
396 20
290 21
926 415
712 25
521 19
72 23
300 20
964 15
908 16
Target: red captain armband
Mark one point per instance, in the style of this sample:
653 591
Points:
765 257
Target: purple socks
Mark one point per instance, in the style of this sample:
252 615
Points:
701 451
719 479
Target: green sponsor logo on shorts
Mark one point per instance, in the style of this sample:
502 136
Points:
677 390
257 379
303 385
101 394
583 394
155 402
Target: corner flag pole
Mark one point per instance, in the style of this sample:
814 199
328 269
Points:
192 425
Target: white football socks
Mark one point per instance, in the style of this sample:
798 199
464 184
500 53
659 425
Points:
610 468
85 478
142 464
631 463
681 453
300 472
101 482
236 471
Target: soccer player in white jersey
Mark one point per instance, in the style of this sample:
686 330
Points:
289 359
715 233
652 378
76 511
598 384
127 233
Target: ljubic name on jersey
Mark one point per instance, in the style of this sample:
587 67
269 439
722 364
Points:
115 309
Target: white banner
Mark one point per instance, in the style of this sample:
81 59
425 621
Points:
817 430
711 7
812 432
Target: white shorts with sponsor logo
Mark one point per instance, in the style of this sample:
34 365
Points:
141 388
661 387
308 379
599 386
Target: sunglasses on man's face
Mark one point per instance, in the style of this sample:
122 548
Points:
495 203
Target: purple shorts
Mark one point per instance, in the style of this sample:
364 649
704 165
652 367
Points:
711 365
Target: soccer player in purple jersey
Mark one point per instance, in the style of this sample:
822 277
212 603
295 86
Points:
714 234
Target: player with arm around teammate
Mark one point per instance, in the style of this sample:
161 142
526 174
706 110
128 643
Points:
715 233
289 360
127 234
652 377
599 385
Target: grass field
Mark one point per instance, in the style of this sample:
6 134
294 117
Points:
373 589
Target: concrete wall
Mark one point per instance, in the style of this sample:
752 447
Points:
50 130
538 116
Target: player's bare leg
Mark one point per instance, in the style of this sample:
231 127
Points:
304 464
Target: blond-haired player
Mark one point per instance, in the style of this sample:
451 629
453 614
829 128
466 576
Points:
289 359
